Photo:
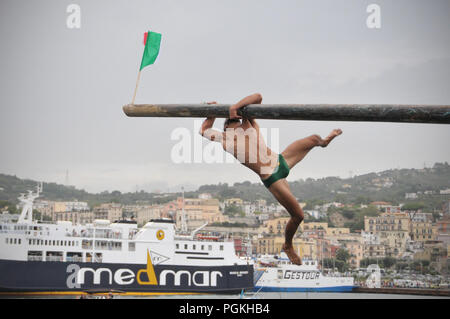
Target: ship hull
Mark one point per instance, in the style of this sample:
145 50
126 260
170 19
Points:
70 277
293 278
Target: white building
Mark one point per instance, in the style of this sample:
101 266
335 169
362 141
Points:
146 213
370 239
420 217
315 213
410 196
6 217
263 217
76 206
249 210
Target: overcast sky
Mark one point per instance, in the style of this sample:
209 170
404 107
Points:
62 90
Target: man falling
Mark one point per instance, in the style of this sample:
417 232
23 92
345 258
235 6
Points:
241 138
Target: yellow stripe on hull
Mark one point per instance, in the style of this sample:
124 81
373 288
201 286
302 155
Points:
100 293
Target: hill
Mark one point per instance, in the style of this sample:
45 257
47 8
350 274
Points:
390 185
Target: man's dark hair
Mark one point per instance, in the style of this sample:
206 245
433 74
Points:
228 121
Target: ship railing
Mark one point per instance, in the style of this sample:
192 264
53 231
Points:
34 258
97 235
74 259
108 245
54 258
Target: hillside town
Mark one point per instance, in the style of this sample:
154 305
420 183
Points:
395 238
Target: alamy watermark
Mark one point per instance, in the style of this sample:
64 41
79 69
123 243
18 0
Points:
247 145
373 20
73 20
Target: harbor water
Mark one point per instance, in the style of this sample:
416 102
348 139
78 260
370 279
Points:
256 296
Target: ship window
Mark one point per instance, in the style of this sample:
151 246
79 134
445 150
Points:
193 247
202 247
185 246
131 246
177 246
221 247
34 255
209 247
54 256
74 256
101 244
86 244
19 241
98 257
116 245
280 274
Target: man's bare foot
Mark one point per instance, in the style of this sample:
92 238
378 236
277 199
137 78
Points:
331 136
293 257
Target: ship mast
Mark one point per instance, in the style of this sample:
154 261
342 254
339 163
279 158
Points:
183 215
26 216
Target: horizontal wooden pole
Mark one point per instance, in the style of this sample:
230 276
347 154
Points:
438 114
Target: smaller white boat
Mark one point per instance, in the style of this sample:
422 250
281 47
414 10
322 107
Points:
278 274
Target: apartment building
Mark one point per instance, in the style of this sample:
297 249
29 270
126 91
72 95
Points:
393 230
108 211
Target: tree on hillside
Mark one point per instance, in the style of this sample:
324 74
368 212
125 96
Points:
413 206
8 206
371 211
343 255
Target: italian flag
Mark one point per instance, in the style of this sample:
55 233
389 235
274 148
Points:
152 41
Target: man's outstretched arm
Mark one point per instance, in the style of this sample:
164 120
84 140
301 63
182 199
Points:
207 131
207 124
251 99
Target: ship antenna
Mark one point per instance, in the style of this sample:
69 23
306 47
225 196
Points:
183 215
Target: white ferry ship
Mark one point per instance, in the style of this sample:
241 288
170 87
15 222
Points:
278 274
72 259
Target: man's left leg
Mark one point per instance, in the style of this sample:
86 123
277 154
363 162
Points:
296 151
280 189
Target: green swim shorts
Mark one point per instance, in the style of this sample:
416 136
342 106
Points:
281 171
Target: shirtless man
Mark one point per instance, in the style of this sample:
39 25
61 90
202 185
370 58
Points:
242 139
